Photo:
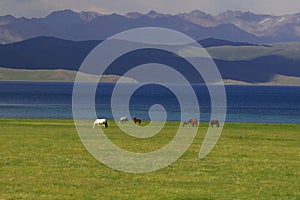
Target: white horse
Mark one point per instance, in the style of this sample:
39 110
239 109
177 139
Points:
100 122
123 119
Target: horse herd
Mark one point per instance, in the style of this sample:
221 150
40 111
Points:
193 122
102 121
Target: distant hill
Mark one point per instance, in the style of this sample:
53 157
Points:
53 53
58 75
214 42
45 53
236 61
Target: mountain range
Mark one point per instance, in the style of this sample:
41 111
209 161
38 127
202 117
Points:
246 47
234 26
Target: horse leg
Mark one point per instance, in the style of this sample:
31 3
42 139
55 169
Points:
95 124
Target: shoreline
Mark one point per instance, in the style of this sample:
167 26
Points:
69 76
59 81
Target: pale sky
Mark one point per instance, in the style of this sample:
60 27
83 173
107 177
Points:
41 8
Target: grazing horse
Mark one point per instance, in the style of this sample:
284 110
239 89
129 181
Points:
185 123
123 119
100 122
214 122
192 122
136 120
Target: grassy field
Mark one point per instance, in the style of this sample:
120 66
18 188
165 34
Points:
45 159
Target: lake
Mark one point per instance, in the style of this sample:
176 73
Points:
254 104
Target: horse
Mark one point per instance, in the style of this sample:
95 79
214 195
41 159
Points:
136 120
123 119
100 122
192 122
185 124
214 122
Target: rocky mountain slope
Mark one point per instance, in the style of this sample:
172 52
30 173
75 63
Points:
231 25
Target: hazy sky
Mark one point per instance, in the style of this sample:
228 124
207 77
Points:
41 8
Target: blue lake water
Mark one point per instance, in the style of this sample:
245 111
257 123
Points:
257 104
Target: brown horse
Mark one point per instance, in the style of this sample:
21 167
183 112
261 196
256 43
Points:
193 122
136 120
214 122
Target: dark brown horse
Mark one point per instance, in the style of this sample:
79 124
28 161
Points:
214 122
136 120
185 123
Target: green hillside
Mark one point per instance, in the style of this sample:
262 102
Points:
50 75
238 53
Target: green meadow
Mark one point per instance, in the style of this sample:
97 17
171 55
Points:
45 159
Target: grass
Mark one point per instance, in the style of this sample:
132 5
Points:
235 53
45 159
